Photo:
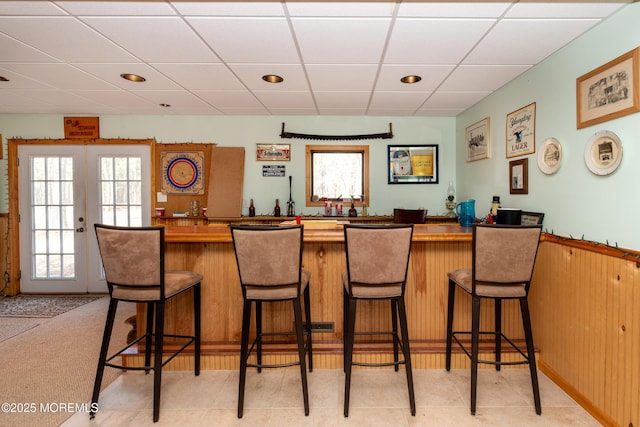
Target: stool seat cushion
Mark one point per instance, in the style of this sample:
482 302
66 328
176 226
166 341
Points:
372 291
462 278
274 293
175 281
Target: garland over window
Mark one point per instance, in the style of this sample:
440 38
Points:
386 135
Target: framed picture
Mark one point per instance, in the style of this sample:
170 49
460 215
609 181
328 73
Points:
531 218
478 140
413 164
521 131
610 91
519 176
273 152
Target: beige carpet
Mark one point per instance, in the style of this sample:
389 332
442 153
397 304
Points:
55 362
11 327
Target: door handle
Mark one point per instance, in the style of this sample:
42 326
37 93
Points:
80 230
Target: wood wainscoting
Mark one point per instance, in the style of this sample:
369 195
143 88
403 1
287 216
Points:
585 305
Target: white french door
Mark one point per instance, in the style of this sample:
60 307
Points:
64 190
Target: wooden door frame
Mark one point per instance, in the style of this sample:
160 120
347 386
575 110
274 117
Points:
13 269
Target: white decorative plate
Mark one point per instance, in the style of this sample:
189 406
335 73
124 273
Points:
550 156
603 152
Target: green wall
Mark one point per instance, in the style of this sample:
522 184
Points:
248 131
575 201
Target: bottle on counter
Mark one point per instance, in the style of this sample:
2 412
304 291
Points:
252 209
276 210
352 211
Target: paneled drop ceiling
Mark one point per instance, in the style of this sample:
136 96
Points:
336 58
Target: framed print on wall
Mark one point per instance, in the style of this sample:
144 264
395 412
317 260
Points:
519 176
521 131
477 137
610 91
273 152
413 164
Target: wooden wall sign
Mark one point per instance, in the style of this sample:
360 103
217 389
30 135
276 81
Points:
82 127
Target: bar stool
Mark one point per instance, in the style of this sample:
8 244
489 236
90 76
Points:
503 261
377 264
270 267
133 262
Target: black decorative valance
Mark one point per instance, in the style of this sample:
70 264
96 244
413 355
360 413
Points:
387 135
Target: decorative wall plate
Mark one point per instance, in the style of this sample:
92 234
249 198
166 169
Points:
182 172
550 156
603 152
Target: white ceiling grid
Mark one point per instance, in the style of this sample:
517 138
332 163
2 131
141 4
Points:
336 58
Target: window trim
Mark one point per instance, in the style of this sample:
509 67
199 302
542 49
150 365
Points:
311 149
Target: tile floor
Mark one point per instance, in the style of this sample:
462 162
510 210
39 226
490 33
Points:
378 398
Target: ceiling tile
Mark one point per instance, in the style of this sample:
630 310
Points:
284 99
453 9
481 77
504 43
154 39
342 77
346 8
454 100
564 9
434 41
244 40
229 99
200 76
342 100
29 8
400 100
234 8
119 8
60 76
341 41
64 38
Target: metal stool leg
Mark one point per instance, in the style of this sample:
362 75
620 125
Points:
102 360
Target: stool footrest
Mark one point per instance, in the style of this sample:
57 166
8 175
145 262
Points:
491 362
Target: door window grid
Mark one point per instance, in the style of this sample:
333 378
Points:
52 212
121 190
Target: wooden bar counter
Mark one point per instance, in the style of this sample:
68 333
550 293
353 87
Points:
436 249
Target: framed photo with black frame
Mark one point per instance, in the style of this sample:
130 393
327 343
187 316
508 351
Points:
413 164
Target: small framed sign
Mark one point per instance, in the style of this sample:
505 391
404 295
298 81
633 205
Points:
521 131
413 164
273 170
273 152
82 127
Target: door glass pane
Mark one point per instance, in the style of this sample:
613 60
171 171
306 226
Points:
52 212
120 184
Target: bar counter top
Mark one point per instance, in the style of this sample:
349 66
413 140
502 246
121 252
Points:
315 231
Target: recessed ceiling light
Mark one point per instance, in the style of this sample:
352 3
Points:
410 79
3 79
272 78
133 77
165 105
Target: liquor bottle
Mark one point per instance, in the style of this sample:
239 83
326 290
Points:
252 209
276 210
353 212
